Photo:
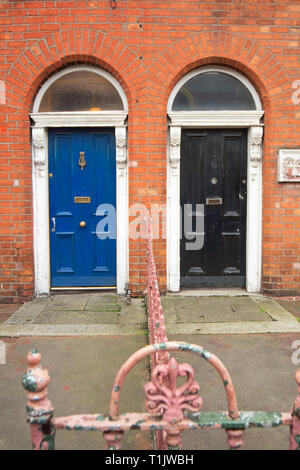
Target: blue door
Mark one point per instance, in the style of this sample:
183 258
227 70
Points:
82 178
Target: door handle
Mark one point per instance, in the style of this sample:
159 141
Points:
54 224
242 194
82 223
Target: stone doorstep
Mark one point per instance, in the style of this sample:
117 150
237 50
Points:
194 309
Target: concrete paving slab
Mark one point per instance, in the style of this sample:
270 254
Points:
274 309
103 302
293 306
57 317
69 301
6 311
214 309
262 372
94 314
133 313
82 371
28 312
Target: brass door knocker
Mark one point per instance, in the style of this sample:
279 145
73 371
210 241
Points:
82 161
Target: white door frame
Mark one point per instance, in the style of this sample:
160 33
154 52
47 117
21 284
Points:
40 177
216 119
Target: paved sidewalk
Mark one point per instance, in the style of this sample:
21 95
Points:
82 370
6 310
85 338
262 372
292 305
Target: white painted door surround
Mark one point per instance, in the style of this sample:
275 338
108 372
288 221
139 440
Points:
216 119
40 177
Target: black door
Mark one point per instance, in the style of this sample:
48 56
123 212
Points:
214 176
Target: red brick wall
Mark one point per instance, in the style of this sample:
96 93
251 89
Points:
148 46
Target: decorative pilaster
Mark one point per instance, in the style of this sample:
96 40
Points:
121 147
122 208
174 208
175 137
256 135
254 209
39 150
40 210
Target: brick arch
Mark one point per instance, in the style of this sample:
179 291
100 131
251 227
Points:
57 51
23 80
261 68
243 54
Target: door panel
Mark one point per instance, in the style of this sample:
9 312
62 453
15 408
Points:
78 256
214 174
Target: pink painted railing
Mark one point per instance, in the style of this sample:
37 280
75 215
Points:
156 321
171 407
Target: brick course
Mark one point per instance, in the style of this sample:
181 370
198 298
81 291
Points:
148 46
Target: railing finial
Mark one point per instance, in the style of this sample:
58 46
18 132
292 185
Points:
39 408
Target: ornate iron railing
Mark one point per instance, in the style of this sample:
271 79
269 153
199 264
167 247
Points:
171 407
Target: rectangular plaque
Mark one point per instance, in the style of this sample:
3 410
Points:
289 165
82 199
211 201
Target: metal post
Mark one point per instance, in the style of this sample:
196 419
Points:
39 408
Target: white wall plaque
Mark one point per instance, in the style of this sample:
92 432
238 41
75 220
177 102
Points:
289 165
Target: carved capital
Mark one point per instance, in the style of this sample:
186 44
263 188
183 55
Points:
39 154
175 137
256 135
121 146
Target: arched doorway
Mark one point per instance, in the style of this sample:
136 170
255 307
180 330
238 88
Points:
214 171
80 178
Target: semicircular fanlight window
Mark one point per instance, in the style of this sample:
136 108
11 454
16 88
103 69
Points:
81 91
212 91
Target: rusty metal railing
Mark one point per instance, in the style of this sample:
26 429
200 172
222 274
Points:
171 408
